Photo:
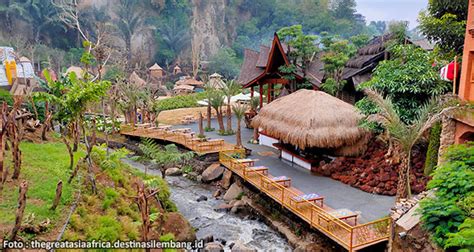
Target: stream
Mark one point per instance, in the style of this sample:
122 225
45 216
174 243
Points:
223 226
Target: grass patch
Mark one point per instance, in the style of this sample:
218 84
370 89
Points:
43 165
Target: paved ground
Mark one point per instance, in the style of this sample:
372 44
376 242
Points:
337 194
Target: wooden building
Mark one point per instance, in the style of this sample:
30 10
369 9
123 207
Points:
464 131
260 70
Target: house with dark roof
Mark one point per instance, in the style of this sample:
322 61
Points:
260 69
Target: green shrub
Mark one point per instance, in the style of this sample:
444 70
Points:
452 203
433 147
180 101
5 96
167 237
110 196
107 228
163 193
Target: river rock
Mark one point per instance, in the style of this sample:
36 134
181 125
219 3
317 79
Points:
207 239
213 172
173 171
233 192
224 207
238 205
201 198
176 224
217 193
241 247
213 247
226 179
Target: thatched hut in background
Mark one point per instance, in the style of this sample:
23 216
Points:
309 121
215 81
78 71
136 80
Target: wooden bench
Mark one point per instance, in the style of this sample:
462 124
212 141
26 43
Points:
210 144
244 161
311 197
343 214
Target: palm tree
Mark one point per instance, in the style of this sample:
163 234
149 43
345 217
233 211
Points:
208 91
404 136
239 111
231 88
130 20
217 100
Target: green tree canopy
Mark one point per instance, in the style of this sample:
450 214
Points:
444 23
409 79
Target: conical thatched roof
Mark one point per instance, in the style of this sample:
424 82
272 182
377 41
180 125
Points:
155 67
308 118
136 80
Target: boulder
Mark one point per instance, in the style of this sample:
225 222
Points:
201 198
226 179
213 172
241 247
217 193
173 171
233 191
213 247
224 207
237 206
176 224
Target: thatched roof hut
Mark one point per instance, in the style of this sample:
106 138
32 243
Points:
136 80
313 119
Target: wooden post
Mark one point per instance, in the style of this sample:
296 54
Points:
455 74
21 209
261 95
251 92
59 191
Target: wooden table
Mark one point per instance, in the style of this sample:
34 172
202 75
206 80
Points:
262 169
344 214
312 197
283 180
244 161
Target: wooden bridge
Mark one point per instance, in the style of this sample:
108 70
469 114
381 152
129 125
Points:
342 229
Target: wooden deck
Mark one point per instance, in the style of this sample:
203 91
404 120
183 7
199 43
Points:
346 232
185 139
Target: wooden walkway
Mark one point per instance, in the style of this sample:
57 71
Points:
344 231
182 137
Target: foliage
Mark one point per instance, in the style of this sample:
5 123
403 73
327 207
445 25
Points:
405 136
5 96
225 62
168 156
444 23
408 79
180 101
433 147
102 125
110 161
164 193
443 214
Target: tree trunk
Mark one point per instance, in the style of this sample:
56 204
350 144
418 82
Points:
70 151
229 117
75 133
16 153
255 134
220 120
209 112
20 210
45 128
201 129
408 174
239 136
59 191
402 180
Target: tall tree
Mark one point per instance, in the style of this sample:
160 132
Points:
231 88
130 21
444 22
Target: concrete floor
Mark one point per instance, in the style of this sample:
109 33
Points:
337 195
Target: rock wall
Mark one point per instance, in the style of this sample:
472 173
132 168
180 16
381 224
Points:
448 130
212 26
373 172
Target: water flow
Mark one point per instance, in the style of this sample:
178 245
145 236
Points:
222 226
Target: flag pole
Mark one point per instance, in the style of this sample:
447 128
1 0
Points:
455 74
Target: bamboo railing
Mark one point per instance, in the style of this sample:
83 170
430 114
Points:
350 237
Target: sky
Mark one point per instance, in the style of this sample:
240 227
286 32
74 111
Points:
389 10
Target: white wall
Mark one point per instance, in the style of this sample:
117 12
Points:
267 141
287 156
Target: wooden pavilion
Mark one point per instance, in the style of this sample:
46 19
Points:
260 70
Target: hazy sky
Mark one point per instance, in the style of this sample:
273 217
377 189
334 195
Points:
407 10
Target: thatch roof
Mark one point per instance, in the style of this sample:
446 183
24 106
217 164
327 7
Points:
136 80
215 81
308 118
189 81
184 87
77 70
155 67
